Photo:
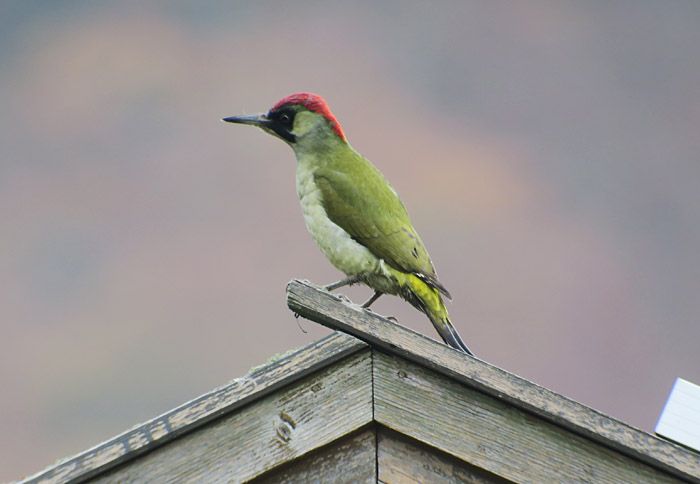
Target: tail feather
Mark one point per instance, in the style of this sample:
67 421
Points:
447 331
427 299
449 334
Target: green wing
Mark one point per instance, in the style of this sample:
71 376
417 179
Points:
370 211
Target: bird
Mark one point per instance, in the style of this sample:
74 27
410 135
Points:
352 212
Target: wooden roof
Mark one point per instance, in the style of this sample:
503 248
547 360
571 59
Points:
387 405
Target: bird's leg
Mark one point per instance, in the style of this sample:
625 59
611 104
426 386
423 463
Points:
345 282
368 302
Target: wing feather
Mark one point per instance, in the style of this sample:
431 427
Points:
372 213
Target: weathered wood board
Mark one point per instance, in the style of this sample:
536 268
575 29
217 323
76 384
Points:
403 409
405 460
350 460
337 313
279 428
198 412
491 434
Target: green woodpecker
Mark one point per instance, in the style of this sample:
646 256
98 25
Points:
353 213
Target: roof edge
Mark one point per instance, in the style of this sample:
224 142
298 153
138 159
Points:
258 383
336 312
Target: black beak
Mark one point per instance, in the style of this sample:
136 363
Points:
254 119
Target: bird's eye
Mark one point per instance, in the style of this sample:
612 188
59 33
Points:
285 119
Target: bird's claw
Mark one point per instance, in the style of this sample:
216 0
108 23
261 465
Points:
340 296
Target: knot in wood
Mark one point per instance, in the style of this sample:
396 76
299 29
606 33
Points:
284 427
284 432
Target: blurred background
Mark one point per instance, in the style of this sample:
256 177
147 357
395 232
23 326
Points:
548 153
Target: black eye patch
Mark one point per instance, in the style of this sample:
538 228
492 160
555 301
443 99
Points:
285 117
282 122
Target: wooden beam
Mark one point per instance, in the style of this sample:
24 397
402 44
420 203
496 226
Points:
349 460
404 459
337 313
279 429
491 434
198 412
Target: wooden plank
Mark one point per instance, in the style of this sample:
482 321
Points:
277 429
258 383
328 309
406 460
492 434
350 460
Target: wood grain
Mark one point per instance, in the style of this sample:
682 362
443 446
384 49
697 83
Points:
493 435
283 426
350 460
405 460
198 412
328 309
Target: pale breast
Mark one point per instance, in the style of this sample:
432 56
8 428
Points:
341 250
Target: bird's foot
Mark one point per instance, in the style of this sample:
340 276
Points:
348 281
375 296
